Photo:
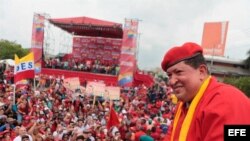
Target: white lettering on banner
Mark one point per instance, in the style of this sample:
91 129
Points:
118 43
100 41
24 66
84 40
213 51
77 45
129 51
124 63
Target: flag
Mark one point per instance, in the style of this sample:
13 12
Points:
22 83
37 40
113 118
128 53
24 67
214 38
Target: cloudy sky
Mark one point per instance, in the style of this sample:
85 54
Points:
164 23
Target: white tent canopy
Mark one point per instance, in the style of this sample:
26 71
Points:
8 61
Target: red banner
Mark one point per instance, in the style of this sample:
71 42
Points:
128 53
97 48
214 38
37 40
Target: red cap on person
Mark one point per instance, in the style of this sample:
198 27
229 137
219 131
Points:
28 117
166 115
180 53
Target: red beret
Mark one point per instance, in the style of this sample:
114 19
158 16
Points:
180 53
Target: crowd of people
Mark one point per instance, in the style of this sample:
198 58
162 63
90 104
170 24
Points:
50 112
94 66
46 110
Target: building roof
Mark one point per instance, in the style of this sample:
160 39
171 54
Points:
224 60
236 66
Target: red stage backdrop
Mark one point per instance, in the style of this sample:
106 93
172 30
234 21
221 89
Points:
37 40
128 53
97 48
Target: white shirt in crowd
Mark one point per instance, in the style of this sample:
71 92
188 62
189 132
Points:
19 138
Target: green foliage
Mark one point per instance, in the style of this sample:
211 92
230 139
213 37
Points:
243 83
8 49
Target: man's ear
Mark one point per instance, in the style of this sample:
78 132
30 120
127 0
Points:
203 71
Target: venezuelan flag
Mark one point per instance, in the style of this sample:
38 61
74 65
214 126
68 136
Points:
39 27
131 34
125 78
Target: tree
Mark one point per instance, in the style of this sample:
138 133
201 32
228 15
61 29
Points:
247 61
243 83
9 48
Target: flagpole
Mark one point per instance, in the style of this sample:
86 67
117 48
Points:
15 67
93 106
212 60
34 83
14 94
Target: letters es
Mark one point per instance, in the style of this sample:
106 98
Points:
24 66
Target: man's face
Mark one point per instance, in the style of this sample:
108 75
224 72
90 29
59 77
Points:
80 123
185 80
22 131
117 135
1 110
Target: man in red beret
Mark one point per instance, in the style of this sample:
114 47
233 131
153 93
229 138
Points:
205 105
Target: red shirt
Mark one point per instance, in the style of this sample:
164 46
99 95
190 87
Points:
138 134
221 104
156 136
